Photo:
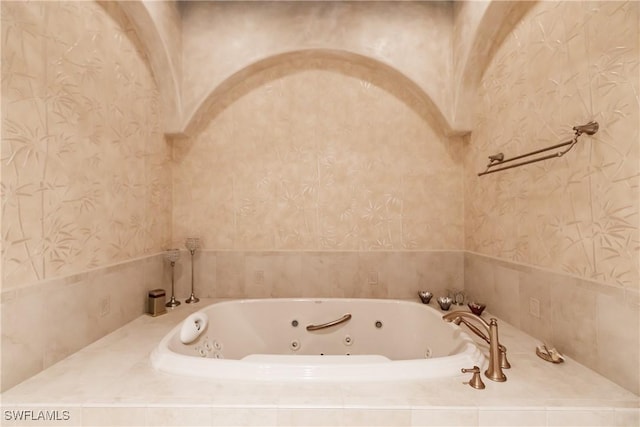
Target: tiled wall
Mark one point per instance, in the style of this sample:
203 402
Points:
319 154
158 27
44 323
85 173
562 232
85 180
595 324
220 39
252 274
566 63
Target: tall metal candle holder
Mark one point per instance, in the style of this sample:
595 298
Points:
192 244
172 255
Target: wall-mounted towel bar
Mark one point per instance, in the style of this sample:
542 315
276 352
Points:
498 159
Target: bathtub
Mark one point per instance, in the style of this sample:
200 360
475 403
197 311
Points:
349 340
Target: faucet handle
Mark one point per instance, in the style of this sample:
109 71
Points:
476 380
504 363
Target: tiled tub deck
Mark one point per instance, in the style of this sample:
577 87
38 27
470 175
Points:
111 382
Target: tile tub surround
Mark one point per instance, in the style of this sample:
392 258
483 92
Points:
85 167
564 64
319 154
130 392
594 323
47 321
84 173
264 274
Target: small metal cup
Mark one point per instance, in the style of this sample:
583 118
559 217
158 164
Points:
476 308
445 303
425 296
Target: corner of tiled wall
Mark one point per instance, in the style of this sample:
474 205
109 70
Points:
48 321
595 324
82 217
560 237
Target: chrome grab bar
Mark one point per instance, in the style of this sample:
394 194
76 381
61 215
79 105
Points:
329 324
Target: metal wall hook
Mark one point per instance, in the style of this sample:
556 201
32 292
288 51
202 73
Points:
590 128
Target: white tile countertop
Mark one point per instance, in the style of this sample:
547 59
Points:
112 382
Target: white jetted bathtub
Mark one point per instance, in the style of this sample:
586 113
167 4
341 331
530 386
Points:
316 339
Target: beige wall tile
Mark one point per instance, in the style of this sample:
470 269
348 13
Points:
80 194
373 279
23 337
179 416
617 328
437 272
627 417
573 321
578 214
274 274
507 291
583 319
205 268
376 417
580 417
444 417
479 279
230 280
66 325
487 417
65 315
114 416
535 294
309 416
319 274
330 274
306 178
244 417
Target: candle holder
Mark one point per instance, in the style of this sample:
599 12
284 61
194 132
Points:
445 303
172 255
192 243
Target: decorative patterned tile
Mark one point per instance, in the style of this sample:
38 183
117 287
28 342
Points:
85 166
578 214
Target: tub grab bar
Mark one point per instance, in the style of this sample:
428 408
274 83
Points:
329 324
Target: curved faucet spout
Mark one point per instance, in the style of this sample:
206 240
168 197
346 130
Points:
448 317
494 371
457 317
